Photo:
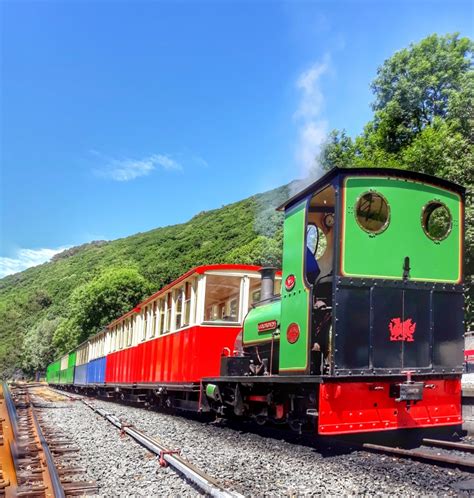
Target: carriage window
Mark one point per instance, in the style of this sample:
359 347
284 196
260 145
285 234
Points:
255 296
179 307
112 339
372 212
154 318
145 323
436 220
161 323
222 298
187 304
234 308
129 332
167 313
121 332
131 327
254 291
277 290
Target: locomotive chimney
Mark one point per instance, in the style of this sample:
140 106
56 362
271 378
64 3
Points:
268 283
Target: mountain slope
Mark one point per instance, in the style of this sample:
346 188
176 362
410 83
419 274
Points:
248 231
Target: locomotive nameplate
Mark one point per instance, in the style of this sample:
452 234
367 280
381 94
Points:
265 326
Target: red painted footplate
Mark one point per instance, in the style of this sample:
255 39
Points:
350 407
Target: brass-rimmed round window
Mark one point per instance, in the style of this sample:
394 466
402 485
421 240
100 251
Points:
436 220
372 212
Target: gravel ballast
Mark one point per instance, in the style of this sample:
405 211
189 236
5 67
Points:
120 466
246 462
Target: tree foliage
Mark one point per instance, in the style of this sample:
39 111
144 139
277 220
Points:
423 121
97 303
416 86
11 339
259 251
38 348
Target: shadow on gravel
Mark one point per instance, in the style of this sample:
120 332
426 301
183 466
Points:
345 444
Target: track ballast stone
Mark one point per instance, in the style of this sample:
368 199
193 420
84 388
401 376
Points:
120 466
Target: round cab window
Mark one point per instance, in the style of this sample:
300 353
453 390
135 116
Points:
436 220
372 212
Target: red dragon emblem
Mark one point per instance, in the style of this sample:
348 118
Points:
402 331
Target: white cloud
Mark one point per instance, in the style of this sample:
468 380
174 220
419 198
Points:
312 129
200 161
25 258
165 162
123 170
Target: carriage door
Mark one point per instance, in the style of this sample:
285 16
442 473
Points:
400 329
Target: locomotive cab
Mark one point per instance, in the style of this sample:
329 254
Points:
319 249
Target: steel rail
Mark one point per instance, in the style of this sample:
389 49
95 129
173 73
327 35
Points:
449 444
49 466
424 456
204 481
58 489
8 478
11 410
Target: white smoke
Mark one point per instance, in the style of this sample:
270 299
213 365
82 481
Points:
312 128
312 133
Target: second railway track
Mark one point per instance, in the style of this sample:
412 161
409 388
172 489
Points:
426 454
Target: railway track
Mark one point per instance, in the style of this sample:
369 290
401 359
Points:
36 459
432 451
167 456
428 454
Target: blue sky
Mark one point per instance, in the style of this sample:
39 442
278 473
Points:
119 117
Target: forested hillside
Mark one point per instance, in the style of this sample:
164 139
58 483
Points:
48 309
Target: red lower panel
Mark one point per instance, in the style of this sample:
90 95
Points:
184 356
363 407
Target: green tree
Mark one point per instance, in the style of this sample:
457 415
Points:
339 151
428 80
11 339
95 304
259 251
416 89
66 336
38 349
